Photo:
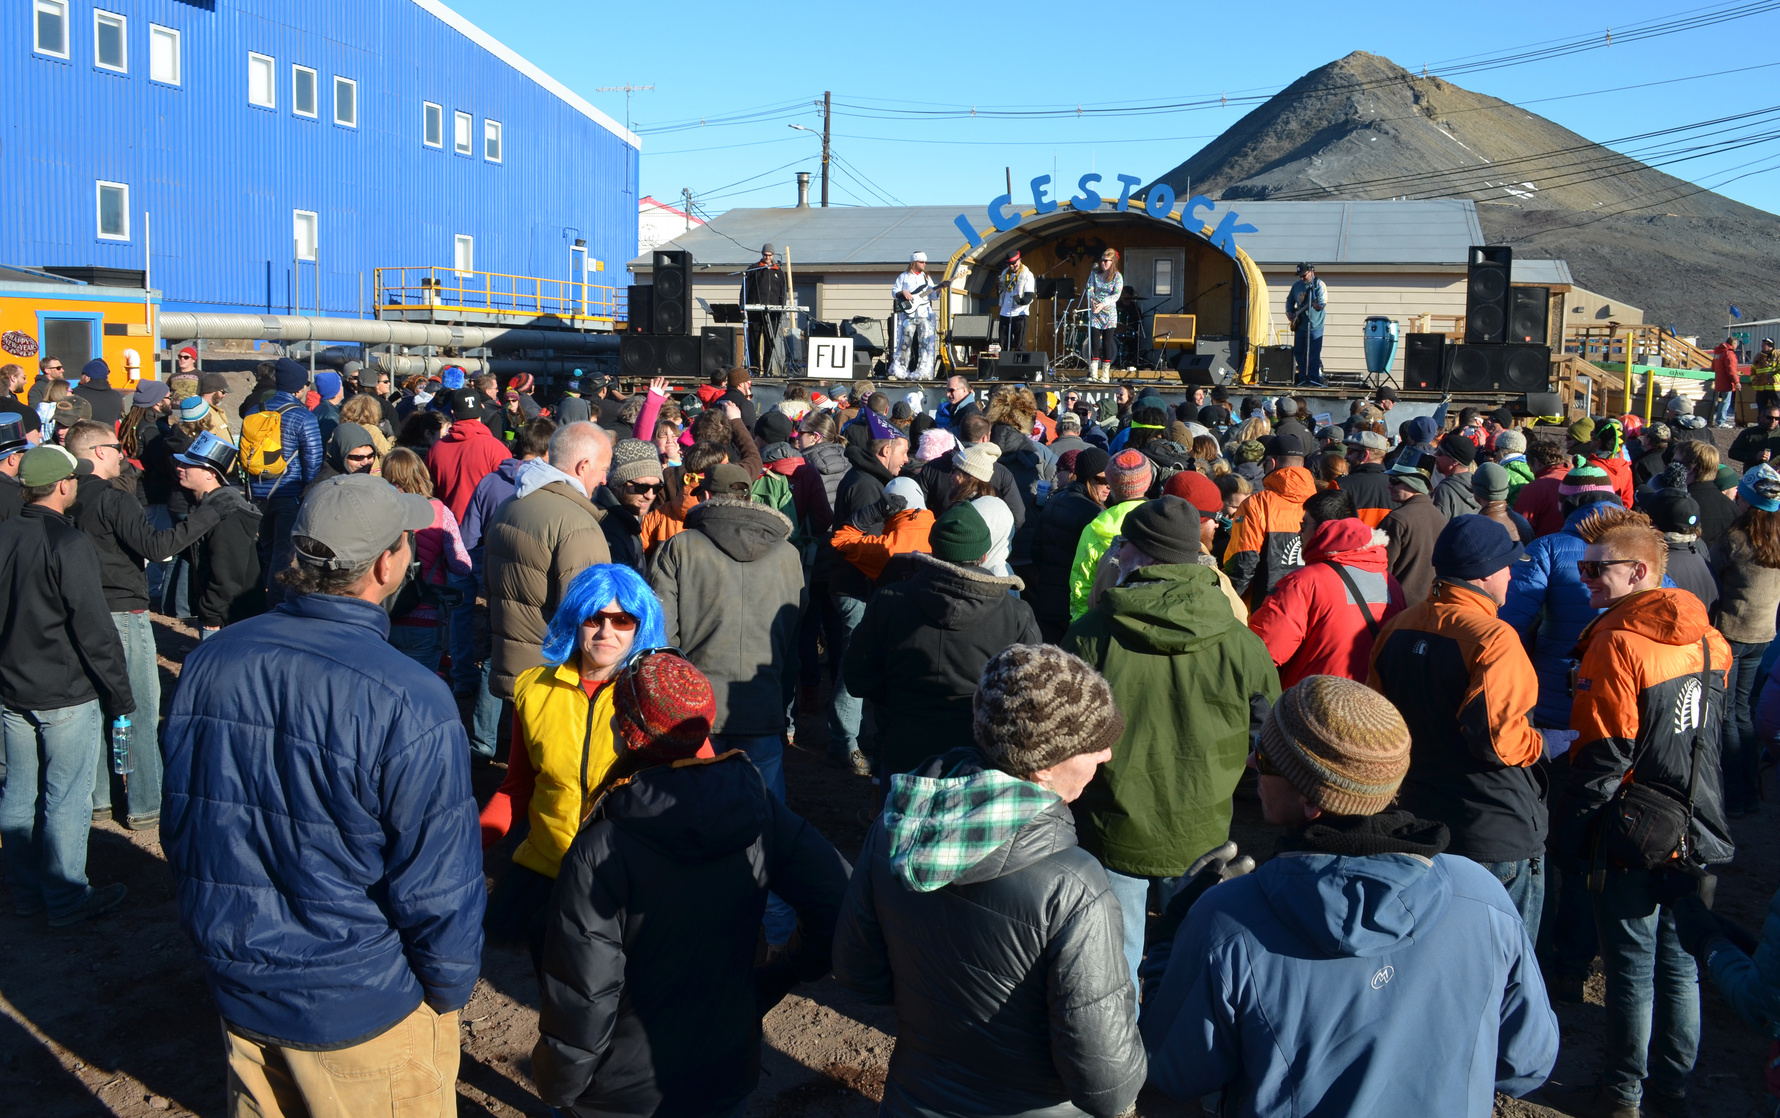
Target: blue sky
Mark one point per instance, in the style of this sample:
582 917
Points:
712 61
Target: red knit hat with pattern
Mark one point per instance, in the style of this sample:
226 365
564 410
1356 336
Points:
1129 475
664 708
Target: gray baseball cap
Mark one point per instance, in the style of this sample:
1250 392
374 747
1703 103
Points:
358 517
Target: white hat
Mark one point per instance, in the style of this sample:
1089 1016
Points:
916 401
917 258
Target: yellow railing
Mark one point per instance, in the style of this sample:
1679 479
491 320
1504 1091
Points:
405 289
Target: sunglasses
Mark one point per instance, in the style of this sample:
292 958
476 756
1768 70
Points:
619 620
1258 759
119 447
1594 568
638 488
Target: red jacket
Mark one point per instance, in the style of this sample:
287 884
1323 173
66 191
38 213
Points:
1540 502
1724 368
1310 623
459 461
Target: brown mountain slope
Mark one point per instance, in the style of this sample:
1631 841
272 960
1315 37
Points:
1364 127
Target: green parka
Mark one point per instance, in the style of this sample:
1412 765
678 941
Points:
1192 683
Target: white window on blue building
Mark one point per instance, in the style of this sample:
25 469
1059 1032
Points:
462 134
346 102
163 54
464 255
432 125
304 233
111 49
50 27
491 140
262 81
302 91
114 211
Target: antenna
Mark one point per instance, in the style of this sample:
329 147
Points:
626 89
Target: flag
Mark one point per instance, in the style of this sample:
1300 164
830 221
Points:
1736 314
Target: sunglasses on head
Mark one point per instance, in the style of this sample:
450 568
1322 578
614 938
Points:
620 620
1594 568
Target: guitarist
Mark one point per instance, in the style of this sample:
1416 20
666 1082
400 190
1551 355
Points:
1016 288
917 340
1306 304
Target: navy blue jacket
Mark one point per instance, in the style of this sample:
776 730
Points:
300 436
320 827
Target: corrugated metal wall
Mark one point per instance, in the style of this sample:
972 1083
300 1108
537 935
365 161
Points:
221 177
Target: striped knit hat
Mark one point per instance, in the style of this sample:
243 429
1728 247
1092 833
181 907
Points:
1037 706
1342 745
1585 479
1129 474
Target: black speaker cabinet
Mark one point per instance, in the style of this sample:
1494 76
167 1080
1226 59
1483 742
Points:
1529 307
639 355
639 305
673 292
718 349
1499 368
1203 370
1540 403
972 329
1024 362
1487 294
988 368
1274 363
1424 361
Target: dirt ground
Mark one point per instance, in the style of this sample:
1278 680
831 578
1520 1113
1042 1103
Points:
113 1017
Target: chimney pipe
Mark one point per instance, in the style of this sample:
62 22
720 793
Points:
803 190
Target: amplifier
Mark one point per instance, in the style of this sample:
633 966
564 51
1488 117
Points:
1024 362
1274 364
972 329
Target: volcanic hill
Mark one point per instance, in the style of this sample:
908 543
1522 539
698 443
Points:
1364 127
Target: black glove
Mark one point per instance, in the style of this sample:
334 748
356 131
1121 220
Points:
892 503
1212 867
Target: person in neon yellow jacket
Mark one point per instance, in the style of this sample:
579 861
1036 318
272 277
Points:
1128 475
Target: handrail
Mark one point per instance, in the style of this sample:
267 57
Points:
404 288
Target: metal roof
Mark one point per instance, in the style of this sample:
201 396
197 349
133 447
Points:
1542 273
1437 231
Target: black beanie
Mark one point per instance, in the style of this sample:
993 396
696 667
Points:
1166 529
774 427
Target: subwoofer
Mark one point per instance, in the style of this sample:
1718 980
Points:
1499 368
717 349
639 355
1487 294
1529 307
683 355
1424 362
673 292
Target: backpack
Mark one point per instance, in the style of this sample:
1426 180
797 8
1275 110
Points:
262 443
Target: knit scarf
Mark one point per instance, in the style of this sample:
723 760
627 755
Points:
1010 279
1356 836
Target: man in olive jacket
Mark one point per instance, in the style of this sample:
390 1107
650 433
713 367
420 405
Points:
1194 685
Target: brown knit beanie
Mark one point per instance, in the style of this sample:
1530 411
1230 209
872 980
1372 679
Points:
1037 706
1342 745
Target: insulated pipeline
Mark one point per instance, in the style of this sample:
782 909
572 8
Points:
188 325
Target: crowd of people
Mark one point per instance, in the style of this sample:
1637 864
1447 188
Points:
1505 690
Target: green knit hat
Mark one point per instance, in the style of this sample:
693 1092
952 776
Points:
1583 431
960 535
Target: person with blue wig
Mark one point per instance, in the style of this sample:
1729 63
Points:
563 750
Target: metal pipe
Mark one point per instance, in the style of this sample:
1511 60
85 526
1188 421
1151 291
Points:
406 366
184 325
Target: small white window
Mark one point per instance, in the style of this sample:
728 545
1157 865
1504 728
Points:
163 54
262 82
433 128
114 211
462 135
346 102
302 91
52 27
1164 284
465 255
491 140
303 233
110 42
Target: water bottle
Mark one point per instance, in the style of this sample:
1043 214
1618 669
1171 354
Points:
121 762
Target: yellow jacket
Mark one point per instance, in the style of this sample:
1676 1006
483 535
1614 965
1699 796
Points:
569 741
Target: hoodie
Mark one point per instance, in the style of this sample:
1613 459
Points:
1264 545
1324 984
1000 521
1311 623
347 437
496 487
815 483
732 590
460 460
1454 495
1167 642
537 473
997 938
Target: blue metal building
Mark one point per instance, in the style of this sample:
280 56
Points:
270 155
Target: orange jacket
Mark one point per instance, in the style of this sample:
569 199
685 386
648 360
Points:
1462 681
1644 654
904 532
1264 545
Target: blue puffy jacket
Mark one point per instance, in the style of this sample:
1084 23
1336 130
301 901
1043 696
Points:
320 827
1386 986
300 435
1546 593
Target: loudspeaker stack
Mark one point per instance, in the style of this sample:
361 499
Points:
659 340
1505 346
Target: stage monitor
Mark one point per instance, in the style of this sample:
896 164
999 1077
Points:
972 329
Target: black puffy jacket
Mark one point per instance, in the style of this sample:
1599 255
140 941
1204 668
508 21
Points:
1010 984
652 1004
920 649
1053 553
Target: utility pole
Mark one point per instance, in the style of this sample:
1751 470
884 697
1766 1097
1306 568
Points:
827 118
626 89
686 198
